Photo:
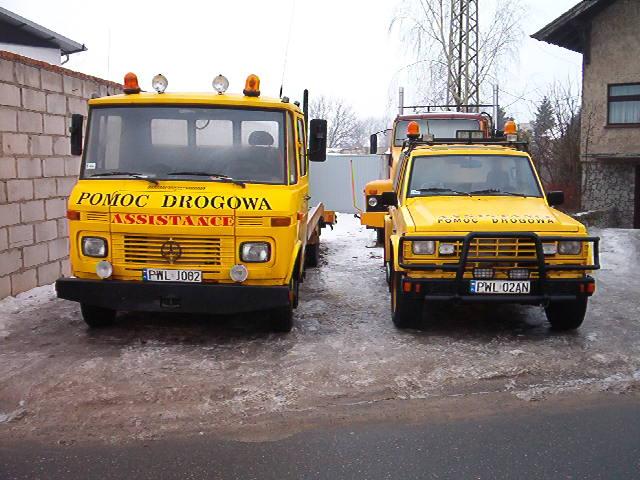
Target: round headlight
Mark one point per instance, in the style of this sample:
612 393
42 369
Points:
104 269
373 201
239 273
569 248
422 247
220 84
159 83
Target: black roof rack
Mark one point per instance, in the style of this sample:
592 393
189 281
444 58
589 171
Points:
522 146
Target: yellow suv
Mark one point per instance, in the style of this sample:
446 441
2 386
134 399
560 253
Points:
470 222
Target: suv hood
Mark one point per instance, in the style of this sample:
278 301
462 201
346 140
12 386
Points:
464 214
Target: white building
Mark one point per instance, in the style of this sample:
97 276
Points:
24 37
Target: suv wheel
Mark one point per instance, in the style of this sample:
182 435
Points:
566 315
406 311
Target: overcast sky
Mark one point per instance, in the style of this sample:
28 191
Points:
337 47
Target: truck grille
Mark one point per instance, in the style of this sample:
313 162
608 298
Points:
501 248
147 250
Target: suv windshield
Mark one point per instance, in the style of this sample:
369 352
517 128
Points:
170 143
472 175
438 127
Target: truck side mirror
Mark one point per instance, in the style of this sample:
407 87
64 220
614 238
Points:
390 199
318 140
555 198
373 144
75 130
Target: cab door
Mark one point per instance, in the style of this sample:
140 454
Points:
298 183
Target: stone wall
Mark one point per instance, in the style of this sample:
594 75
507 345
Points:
37 171
609 185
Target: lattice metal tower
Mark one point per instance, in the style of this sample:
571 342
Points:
464 70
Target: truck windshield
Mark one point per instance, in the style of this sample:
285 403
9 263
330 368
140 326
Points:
170 143
438 127
473 175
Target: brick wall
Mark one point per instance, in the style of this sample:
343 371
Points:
37 171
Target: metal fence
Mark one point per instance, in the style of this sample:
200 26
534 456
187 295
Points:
334 181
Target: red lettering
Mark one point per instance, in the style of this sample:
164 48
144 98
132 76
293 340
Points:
162 219
141 219
202 221
188 221
129 218
117 218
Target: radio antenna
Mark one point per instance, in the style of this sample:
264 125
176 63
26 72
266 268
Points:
286 50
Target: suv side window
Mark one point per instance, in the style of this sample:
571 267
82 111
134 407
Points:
302 148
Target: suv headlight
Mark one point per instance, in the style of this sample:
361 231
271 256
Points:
423 247
550 248
94 247
255 252
569 247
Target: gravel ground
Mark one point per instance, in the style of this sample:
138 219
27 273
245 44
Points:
153 375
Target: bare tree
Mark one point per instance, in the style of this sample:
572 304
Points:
342 122
425 27
556 140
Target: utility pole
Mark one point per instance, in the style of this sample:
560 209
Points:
464 71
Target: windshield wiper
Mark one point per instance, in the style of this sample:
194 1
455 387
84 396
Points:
441 190
490 191
218 176
136 175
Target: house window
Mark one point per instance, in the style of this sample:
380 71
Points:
624 104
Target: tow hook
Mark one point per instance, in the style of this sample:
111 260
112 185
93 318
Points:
170 301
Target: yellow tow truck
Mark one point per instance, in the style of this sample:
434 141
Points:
470 222
438 125
193 202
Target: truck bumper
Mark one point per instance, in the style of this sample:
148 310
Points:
172 297
372 219
459 291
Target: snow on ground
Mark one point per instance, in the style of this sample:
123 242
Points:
153 374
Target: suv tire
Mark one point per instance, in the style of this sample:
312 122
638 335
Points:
566 315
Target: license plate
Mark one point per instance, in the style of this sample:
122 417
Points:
163 275
500 287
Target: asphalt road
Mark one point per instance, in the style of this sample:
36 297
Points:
597 440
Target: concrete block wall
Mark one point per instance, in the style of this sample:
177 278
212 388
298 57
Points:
37 171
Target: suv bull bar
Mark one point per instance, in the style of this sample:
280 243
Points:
461 266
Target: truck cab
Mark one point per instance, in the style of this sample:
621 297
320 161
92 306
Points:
441 126
471 223
192 202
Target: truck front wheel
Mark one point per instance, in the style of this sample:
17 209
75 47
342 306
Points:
406 311
97 317
380 235
282 317
566 315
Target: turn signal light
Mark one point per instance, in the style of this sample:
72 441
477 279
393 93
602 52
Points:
73 215
589 288
413 130
252 86
131 83
280 221
406 287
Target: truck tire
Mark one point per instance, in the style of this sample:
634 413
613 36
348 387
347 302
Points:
312 255
97 317
380 235
282 319
406 311
566 315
